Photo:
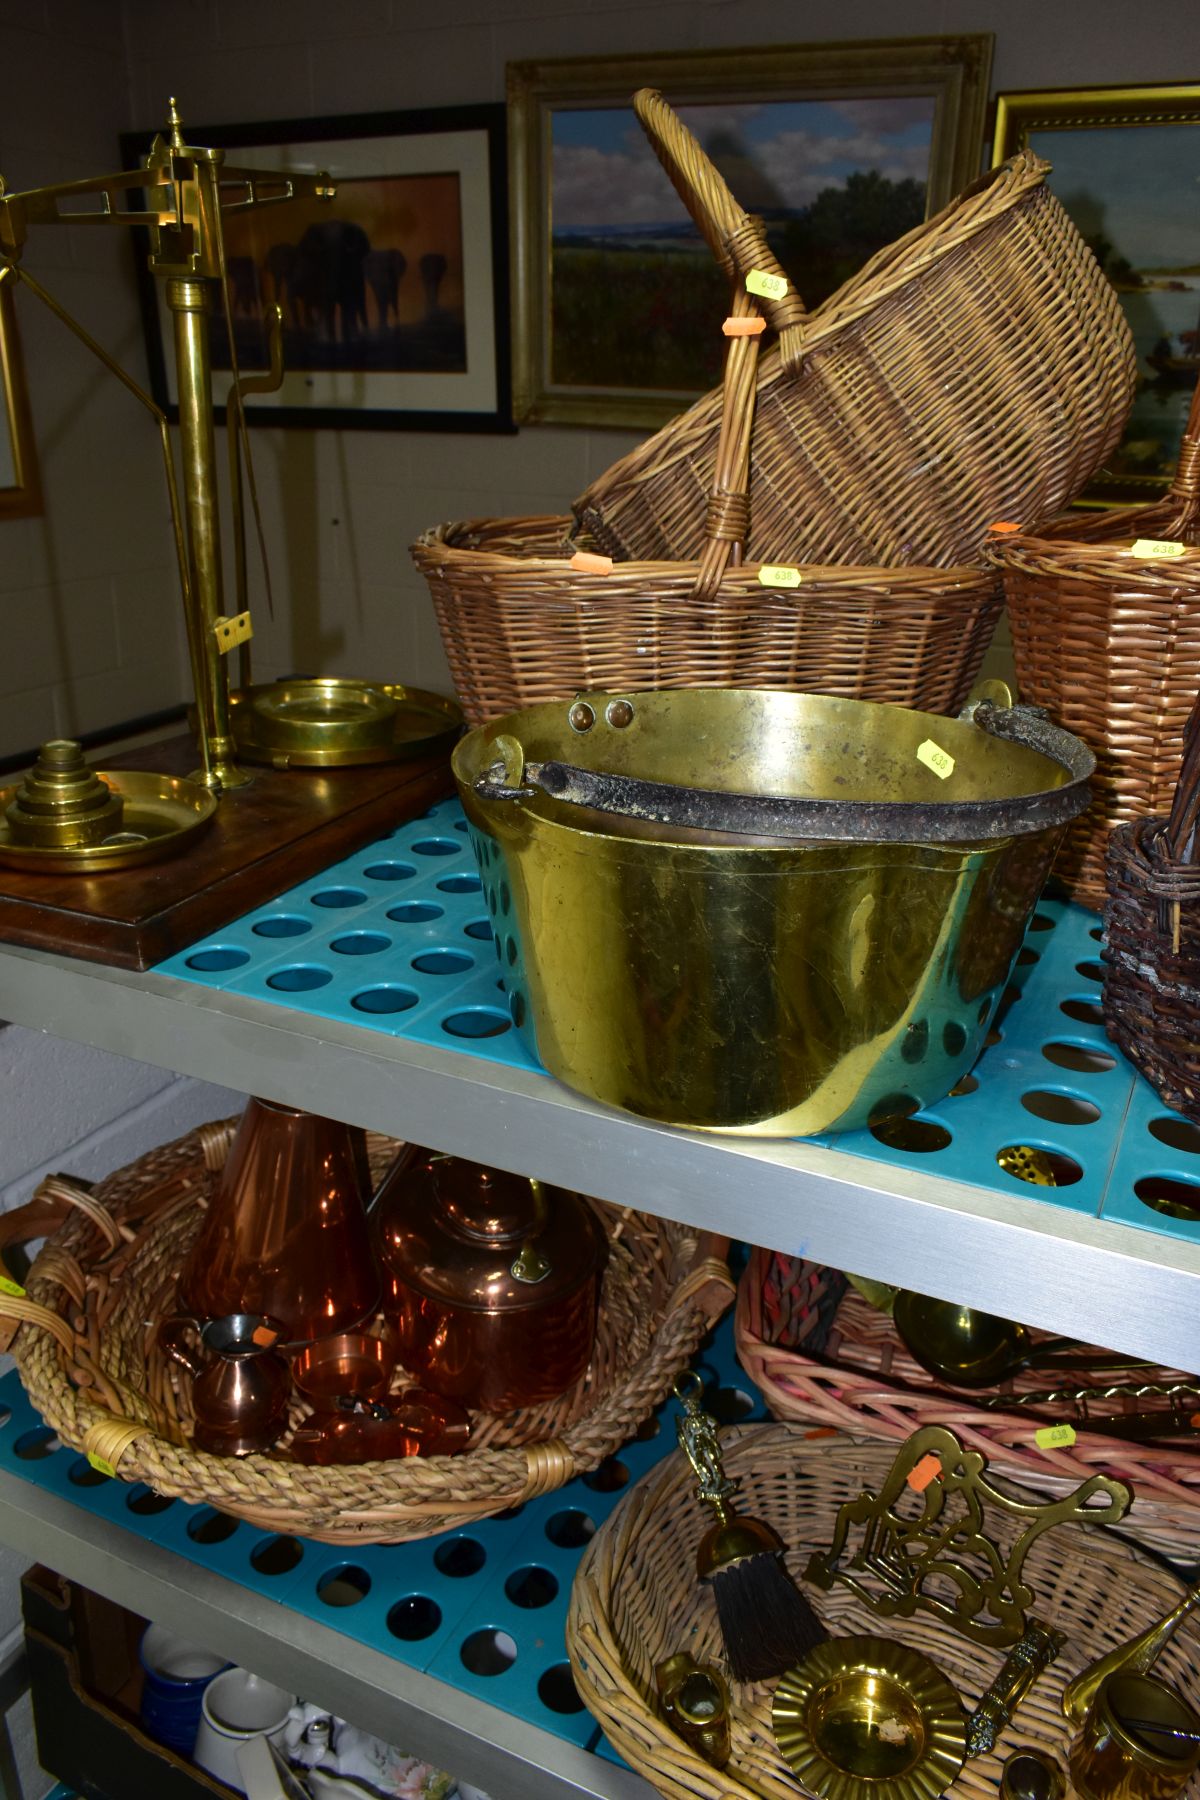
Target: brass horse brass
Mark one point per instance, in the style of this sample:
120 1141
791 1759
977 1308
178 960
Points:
913 1560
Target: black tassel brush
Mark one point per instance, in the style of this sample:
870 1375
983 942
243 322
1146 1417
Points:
766 1622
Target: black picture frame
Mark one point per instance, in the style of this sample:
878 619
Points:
467 141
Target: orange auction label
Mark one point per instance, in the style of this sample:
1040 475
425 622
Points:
779 575
744 327
765 285
586 562
928 1469
1054 1437
1003 525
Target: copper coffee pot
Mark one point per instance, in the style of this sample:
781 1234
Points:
286 1234
240 1402
491 1280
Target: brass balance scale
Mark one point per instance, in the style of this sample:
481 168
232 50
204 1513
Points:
66 818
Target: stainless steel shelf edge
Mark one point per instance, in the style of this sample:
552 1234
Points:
1137 1291
495 1751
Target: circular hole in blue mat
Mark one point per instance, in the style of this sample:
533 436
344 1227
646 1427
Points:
33 1445
1176 1133
360 943
145 1502
1041 922
344 1586
5 1415
82 1474
557 1690
1167 1194
1088 1012
505 898
1081 1057
1026 956
531 1587
388 871
479 928
209 1526
384 1000
413 1618
570 1529
301 978
284 925
488 1652
954 1037
276 1555
336 897
728 1405
511 1512
1065 1170
966 1084
648 1429
461 825
459 1556
1059 1109
917 1135
609 1478
1097 932
477 1022
443 962
460 884
1094 971
415 912
432 846
221 956
914 1045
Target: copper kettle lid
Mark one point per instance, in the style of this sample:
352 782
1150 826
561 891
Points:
480 1238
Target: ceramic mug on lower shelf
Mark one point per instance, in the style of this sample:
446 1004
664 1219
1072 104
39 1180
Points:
238 1706
175 1674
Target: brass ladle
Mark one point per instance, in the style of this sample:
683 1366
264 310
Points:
968 1348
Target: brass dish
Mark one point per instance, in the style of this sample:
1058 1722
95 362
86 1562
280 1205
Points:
335 722
162 813
863 1718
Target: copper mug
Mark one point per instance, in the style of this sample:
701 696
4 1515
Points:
240 1403
1139 1741
285 1235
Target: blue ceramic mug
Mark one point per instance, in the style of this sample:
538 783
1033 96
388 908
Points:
174 1677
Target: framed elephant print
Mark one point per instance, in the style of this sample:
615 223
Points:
393 294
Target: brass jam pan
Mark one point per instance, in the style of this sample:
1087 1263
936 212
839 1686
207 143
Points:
162 814
335 722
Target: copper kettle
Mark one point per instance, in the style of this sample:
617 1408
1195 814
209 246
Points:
286 1233
491 1280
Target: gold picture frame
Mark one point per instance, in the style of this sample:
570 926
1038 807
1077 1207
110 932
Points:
20 490
1130 206
943 81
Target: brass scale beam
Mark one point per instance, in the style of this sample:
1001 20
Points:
185 192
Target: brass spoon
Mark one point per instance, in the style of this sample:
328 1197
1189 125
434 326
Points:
968 1348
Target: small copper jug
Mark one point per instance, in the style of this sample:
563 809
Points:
491 1280
240 1402
286 1232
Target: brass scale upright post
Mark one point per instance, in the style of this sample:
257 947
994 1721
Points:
187 190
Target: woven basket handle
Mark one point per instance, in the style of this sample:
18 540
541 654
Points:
736 239
1183 825
1185 485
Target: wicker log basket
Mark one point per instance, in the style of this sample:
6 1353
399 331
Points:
863 1380
636 1600
88 1361
1110 644
1152 940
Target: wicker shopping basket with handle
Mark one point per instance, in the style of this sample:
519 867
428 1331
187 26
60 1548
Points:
979 368
1106 635
85 1341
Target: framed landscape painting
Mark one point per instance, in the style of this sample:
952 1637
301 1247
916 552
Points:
394 294
618 301
1126 166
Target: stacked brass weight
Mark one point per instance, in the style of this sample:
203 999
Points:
62 804
67 819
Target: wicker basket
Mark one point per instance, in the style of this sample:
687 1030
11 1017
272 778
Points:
864 1380
521 626
86 1358
1152 941
979 368
1110 644
636 1600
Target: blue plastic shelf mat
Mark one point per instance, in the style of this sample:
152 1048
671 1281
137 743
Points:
397 938
483 1608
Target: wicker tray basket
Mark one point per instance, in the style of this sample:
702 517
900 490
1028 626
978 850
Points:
1152 940
979 368
863 1380
1110 644
86 1358
636 1600
521 626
